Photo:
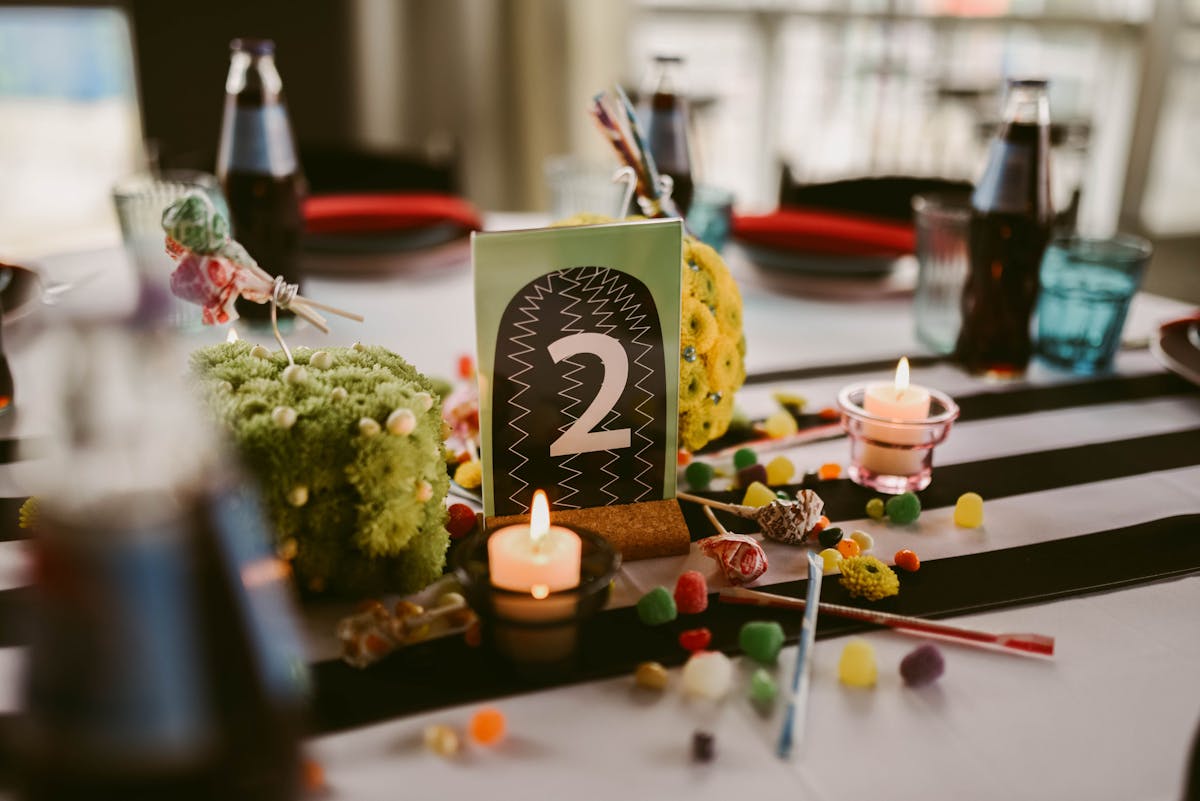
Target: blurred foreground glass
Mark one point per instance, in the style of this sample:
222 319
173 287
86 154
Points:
942 221
710 215
578 187
140 201
1087 285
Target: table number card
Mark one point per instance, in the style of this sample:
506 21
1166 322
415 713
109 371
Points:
578 343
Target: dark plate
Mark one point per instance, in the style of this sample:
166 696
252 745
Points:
399 241
791 261
1177 346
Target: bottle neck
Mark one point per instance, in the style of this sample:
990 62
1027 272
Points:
664 78
254 72
1027 104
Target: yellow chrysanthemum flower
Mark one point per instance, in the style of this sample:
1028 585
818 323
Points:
867 577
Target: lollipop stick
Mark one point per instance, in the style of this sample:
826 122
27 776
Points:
732 508
349 315
716 523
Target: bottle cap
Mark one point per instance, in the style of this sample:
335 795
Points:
1030 82
257 47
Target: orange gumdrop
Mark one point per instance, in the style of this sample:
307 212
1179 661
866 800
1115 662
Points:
487 726
907 560
829 471
848 548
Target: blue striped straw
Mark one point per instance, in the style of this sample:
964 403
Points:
798 705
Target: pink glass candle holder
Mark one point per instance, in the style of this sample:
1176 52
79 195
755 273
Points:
890 455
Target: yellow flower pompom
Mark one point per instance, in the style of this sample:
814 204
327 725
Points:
867 577
693 383
699 328
28 513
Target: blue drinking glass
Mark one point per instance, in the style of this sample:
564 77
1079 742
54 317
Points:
1086 287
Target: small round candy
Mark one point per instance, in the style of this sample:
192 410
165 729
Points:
298 495
704 746
761 640
780 471
699 475
875 508
758 494
461 522
829 537
763 688
321 360
691 592
748 475
708 674
441 740
968 512
831 557
780 424
283 416
657 607
487 726
683 457
822 524
848 548
907 560
651 675
695 639
922 665
744 457
865 541
857 667
829 413
829 471
903 509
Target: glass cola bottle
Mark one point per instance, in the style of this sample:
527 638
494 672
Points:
663 111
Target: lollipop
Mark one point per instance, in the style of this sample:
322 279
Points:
741 558
789 522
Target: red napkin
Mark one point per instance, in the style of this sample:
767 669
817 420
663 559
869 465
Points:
366 214
812 231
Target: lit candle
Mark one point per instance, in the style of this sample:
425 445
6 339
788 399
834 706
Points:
537 558
900 401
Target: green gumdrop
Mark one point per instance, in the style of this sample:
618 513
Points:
763 688
761 640
699 475
657 607
744 457
904 509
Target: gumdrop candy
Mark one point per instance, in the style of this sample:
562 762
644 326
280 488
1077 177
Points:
922 665
875 508
691 592
698 475
968 512
865 541
704 746
903 509
758 495
780 424
487 726
763 688
761 640
750 474
708 674
441 740
651 675
744 457
857 667
656 607
695 639
780 471
830 557
829 537
829 471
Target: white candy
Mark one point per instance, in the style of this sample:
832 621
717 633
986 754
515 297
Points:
283 416
454 599
225 386
401 422
358 346
865 541
424 491
368 427
425 399
294 374
260 352
298 496
321 360
338 394
708 674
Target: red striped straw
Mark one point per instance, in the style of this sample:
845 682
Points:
1022 644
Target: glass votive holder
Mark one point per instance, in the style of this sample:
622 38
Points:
537 637
891 455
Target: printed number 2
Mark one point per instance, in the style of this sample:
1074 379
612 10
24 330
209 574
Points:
580 438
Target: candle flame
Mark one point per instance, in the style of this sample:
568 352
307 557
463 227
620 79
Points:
902 374
232 336
539 518
539 591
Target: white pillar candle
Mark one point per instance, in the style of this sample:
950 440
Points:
902 401
537 558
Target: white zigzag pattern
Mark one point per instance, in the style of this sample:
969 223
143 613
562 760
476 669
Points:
513 400
640 408
567 485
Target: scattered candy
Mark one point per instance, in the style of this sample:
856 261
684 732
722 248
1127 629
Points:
704 746
875 509
313 776
744 457
683 457
848 548
741 558
831 557
699 475
748 475
469 474
790 400
857 667
441 740
695 639
656 607
466 367
763 688
283 416
922 665
821 524
829 413
789 522
401 422
761 640
783 496
829 471
487 726
462 520
708 674
780 424
651 675
968 512
780 471
867 577
758 494
691 592
298 495
903 509
829 537
865 541
907 560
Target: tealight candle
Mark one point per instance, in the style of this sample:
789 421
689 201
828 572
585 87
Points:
900 401
537 558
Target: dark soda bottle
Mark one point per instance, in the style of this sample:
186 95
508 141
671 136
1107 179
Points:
1011 218
663 112
257 166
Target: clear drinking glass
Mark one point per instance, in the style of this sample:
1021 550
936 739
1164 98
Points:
578 187
941 222
710 216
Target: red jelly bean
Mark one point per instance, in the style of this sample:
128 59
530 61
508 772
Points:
691 593
695 639
461 522
907 560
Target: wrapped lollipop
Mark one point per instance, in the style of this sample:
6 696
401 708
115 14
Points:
789 522
741 558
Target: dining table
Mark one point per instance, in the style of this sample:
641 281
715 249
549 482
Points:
1091 535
